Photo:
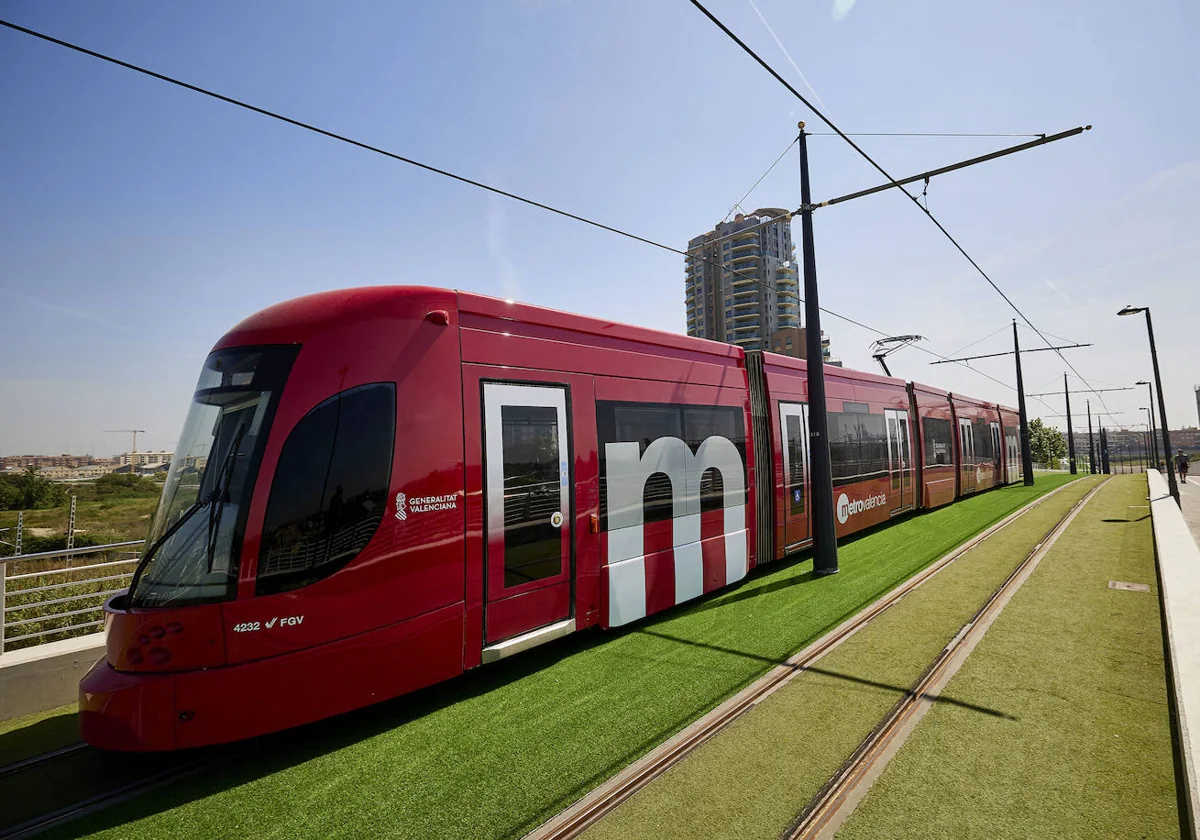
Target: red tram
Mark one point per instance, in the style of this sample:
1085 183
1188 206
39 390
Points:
378 489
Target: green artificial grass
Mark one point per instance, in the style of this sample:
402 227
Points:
31 735
753 778
498 751
1084 748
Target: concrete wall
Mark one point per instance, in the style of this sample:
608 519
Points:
1179 579
47 676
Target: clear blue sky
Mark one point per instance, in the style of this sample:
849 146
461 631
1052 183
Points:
140 221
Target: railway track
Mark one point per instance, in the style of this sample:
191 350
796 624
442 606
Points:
160 777
825 814
589 810
38 760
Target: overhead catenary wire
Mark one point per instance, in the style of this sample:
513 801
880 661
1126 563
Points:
821 116
439 171
770 169
393 155
980 340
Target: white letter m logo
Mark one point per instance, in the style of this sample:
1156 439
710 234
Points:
626 475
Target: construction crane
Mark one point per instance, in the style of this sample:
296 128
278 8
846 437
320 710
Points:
133 451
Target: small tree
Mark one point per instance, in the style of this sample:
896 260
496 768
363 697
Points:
1045 443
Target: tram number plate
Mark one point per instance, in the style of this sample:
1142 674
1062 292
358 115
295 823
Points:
285 621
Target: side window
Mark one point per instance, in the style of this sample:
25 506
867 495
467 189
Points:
795 478
330 488
644 423
873 432
844 447
937 442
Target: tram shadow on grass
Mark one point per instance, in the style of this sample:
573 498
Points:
248 761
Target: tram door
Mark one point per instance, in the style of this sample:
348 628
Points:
527 508
899 459
966 437
997 452
1013 450
793 419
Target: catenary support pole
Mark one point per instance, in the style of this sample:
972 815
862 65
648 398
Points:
1091 442
825 553
1070 428
1026 456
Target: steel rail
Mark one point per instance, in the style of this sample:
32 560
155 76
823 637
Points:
816 817
606 798
111 797
38 760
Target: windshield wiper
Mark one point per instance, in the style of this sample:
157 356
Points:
189 512
224 477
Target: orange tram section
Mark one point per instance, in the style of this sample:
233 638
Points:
378 489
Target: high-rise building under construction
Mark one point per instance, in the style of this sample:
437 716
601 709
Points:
741 280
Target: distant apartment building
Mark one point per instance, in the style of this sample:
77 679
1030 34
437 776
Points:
145 459
41 462
741 284
792 341
1134 442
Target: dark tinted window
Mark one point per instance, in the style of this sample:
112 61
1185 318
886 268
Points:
330 488
983 441
938 448
857 447
795 477
644 423
656 498
532 493
712 490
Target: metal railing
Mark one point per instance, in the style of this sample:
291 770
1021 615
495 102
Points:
55 595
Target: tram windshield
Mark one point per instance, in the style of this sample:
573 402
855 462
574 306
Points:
195 538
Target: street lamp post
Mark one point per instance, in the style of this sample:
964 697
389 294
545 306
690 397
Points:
1153 431
1146 444
1162 406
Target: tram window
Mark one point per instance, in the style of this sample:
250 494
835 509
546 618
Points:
330 488
656 498
857 446
795 479
644 423
532 493
874 445
845 448
983 441
712 490
937 442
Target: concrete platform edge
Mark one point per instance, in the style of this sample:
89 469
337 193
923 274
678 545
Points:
46 676
1179 576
